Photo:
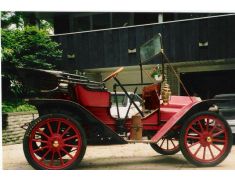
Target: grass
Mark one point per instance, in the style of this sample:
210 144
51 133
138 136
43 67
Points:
16 106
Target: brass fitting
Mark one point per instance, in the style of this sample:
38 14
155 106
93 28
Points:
166 94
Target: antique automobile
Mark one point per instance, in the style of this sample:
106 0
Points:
75 112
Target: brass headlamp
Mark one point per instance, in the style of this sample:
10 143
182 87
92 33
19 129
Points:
166 94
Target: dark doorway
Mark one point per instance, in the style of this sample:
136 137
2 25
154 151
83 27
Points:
207 84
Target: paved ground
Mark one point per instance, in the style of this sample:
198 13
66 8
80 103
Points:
131 156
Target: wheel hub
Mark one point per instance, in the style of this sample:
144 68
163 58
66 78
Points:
55 144
209 139
206 139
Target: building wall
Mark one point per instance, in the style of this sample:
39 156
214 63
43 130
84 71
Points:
192 40
65 22
131 74
172 80
204 44
199 66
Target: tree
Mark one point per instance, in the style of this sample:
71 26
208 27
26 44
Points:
12 18
29 47
19 20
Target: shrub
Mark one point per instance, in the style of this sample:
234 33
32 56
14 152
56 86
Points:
16 105
29 47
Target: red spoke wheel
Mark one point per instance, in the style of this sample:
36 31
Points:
166 146
54 141
205 139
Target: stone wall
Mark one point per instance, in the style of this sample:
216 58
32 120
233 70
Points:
12 133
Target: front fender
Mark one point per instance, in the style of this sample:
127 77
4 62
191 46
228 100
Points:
185 113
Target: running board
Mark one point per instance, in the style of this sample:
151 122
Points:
140 141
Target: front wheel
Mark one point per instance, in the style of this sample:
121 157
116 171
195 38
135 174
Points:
205 139
54 141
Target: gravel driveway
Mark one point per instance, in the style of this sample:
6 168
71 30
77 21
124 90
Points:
121 157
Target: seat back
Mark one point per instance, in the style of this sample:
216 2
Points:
92 98
151 94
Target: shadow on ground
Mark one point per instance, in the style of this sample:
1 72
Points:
153 162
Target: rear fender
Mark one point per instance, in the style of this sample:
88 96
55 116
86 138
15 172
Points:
185 113
84 116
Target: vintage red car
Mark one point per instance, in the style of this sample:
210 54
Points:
75 112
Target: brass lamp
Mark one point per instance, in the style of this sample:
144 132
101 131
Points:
166 94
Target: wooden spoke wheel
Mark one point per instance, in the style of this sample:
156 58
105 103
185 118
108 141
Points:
166 146
54 141
206 139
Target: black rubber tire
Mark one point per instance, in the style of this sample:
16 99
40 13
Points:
186 153
163 151
40 119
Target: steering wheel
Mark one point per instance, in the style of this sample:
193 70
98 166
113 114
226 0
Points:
114 74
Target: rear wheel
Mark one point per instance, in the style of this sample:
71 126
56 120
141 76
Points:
166 146
205 139
54 141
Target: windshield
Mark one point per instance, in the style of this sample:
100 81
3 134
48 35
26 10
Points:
151 48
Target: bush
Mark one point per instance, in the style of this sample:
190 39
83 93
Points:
16 106
30 47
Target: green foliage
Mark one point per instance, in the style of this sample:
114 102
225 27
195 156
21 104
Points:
47 26
9 18
30 47
16 106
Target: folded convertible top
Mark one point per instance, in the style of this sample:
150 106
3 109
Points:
46 80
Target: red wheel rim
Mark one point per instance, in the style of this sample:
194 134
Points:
206 138
168 144
55 143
